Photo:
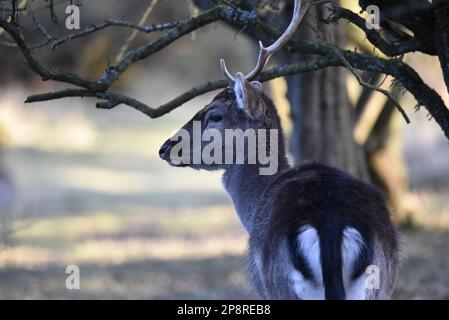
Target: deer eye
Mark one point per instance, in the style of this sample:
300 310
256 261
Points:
215 118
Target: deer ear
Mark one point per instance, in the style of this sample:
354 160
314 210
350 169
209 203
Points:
241 91
257 85
247 96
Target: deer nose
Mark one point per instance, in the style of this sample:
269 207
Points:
163 150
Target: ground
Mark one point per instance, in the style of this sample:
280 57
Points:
186 245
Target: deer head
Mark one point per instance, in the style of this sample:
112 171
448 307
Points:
241 106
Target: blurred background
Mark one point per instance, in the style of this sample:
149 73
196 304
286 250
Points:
81 186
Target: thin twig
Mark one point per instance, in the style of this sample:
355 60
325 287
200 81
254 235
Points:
47 35
53 15
108 23
370 86
135 32
374 36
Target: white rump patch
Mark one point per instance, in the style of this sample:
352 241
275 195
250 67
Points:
351 247
309 244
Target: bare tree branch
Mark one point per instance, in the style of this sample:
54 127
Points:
135 32
113 73
44 72
324 55
372 87
401 71
108 23
410 44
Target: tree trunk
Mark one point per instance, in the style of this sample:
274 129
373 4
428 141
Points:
386 165
323 119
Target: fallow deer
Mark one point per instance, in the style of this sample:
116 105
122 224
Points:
314 231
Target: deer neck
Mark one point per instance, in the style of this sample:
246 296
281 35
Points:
245 185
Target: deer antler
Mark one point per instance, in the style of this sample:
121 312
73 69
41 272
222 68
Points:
265 53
